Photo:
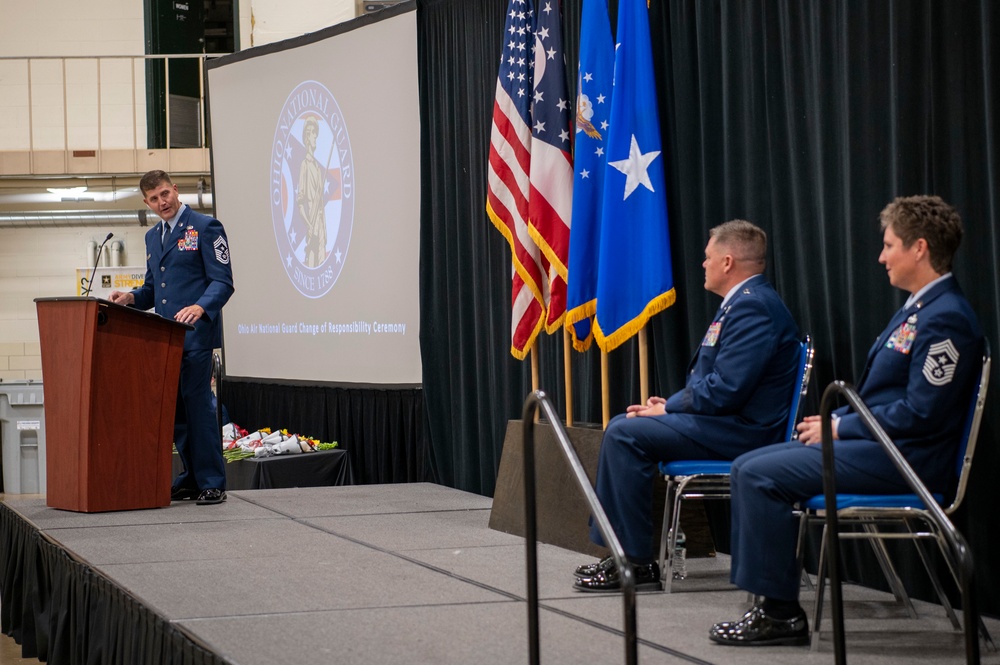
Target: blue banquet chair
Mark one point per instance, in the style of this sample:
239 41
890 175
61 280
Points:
865 517
709 479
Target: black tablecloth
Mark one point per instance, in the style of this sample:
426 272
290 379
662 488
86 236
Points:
319 469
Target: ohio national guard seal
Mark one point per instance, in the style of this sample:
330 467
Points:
312 189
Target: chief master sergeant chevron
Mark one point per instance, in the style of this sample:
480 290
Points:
188 278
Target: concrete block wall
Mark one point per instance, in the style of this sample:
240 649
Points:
37 263
19 361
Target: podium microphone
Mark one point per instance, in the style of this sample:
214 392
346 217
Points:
90 284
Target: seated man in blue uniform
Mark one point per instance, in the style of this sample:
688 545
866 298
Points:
920 372
188 278
735 399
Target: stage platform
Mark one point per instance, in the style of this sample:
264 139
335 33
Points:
368 574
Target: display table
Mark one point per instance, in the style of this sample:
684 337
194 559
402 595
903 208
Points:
320 469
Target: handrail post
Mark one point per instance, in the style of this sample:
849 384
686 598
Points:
533 402
832 534
531 535
956 542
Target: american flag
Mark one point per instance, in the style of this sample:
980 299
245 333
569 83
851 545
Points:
551 199
508 182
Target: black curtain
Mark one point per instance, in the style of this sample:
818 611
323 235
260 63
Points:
60 610
804 117
382 429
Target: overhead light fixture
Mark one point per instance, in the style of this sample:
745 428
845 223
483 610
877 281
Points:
68 191
71 193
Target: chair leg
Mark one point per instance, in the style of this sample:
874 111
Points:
984 634
889 571
800 547
820 589
806 580
895 583
668 535
936 583
675 524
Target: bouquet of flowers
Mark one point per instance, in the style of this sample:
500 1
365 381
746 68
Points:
231 432
265 443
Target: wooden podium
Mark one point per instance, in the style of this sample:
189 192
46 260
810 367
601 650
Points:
110 376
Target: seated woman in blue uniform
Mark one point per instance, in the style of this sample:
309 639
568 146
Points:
735 399
921 370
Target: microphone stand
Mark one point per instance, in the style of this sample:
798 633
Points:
90 283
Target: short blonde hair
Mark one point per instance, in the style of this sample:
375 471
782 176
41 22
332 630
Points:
745 240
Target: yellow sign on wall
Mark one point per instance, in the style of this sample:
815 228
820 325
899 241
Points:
106 280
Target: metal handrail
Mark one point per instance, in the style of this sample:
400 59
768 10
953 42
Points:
532 403
959 548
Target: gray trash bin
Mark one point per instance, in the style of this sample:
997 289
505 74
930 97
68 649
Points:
22 436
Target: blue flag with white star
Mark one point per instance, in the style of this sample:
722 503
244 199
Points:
635 277
593 113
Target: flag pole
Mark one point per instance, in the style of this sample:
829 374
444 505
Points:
568 376
534 366
605 397
643 366
534 371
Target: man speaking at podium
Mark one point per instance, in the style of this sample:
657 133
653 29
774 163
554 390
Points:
188 278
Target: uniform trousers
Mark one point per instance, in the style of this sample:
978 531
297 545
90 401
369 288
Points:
628 463
196 427
765 485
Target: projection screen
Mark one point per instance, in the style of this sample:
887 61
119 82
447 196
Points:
316 177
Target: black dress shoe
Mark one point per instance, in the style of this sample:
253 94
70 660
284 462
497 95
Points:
211 496
591 569
182 494
647 578
756 628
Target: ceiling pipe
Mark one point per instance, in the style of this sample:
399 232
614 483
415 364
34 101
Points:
49 219
59 218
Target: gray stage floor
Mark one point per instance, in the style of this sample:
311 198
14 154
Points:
412 573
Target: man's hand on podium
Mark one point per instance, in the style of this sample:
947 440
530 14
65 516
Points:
120 298
189 314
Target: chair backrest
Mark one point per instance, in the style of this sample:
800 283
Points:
801 385
970 435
